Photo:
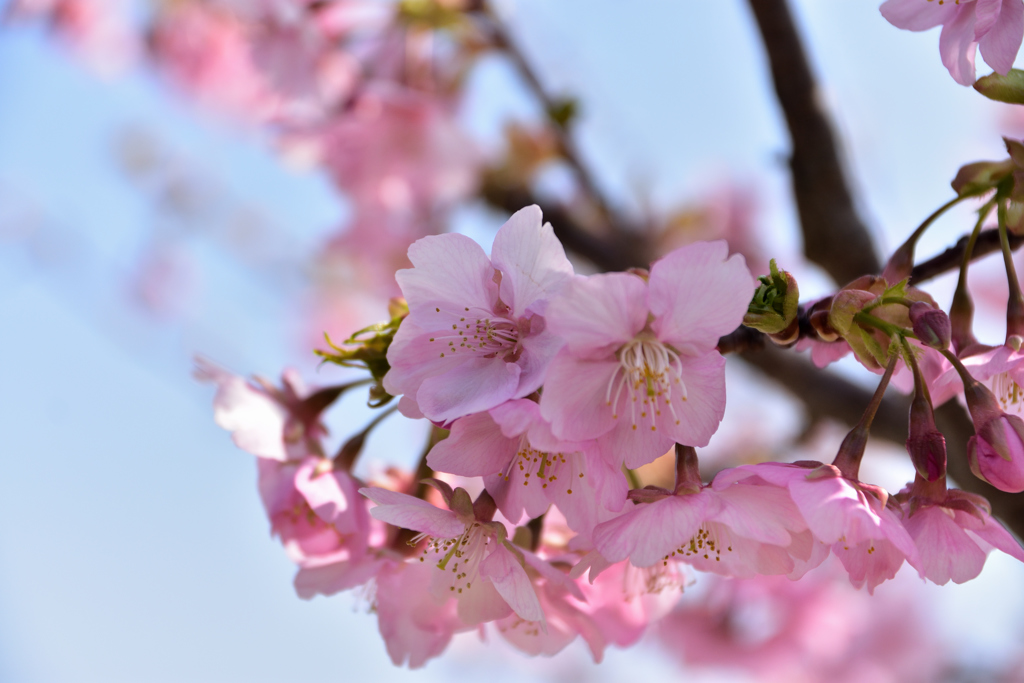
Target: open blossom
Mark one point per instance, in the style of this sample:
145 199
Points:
476 334
954 533
864 533
996 26
414 624
475 564
526 469
739 530
639 370
322 522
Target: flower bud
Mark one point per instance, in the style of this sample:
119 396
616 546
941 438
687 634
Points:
996 451
931 325
981 176
774 307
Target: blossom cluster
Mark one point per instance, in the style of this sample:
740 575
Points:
546 390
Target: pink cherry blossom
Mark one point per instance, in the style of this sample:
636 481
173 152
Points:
996 26
476 334
527 469
263 420
955 534
773 628
863 532
475 563
322 523
414 624
639 370
738 530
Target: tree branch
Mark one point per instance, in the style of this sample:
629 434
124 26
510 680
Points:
988 242
834 235
826 395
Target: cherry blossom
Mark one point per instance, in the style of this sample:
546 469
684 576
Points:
851 517
476 334
639 369
527 469
476 565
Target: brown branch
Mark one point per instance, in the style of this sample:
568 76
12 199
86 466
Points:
610 252
502 40
988 242
826 395
834 235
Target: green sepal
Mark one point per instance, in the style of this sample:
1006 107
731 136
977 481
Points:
1008 88
775 303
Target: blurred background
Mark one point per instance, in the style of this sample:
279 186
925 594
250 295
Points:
143 223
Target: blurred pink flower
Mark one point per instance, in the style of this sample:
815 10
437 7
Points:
997 26
476 335
850 516
639 370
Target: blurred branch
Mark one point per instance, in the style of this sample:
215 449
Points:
614 252
502 39
988 242
826 395
834 235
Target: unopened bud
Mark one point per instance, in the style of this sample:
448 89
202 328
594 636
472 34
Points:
981 176
774 307
931 325
817 316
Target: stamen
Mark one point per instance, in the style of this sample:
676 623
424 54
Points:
651 374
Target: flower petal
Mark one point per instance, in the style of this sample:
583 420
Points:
531 260
409 512
599 312
512 583
474 385
450 268
699 293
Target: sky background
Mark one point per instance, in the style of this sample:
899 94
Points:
132 541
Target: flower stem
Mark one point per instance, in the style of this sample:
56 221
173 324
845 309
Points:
1015 304
852 449
902 260
961 311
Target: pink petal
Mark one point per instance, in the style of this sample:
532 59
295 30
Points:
537 352
635 444
476 447
869 562
516 417
945 549
917 15
409 512
531 260
999 46
481 603
334 578
450 268
699 293
761 513
992 533
512 583
333 497
702 411
958 47
475 385
648 532
599 312
827 505
574 397
255 420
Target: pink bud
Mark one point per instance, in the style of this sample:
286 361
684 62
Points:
931 325
997 453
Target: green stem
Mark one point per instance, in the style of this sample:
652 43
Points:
902 260
1015 304
864 318
961 311
852 449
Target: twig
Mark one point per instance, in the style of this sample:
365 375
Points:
988 242
835 237
502 39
